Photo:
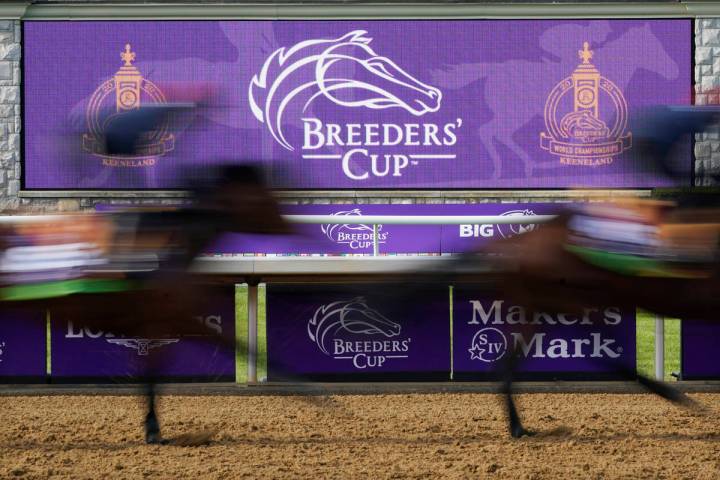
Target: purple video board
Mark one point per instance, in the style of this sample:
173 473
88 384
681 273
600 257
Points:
79 352
362 332
700 355
22 344
591 345
344 239
356 104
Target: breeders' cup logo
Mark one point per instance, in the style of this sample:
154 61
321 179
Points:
347 72
355 236
588 134
142 345
505 230
488 345
130 89
341 330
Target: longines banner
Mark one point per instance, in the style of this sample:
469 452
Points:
355 104
22 343
362 332
81 352
350 238
592 344
700 358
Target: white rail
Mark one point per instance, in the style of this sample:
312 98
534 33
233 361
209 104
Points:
420 219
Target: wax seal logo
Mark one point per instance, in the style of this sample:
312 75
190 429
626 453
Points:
130 91
488 345
586 130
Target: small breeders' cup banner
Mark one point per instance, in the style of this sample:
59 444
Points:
353 238
700 356
360 332
81 352
593 344
22 343
356 104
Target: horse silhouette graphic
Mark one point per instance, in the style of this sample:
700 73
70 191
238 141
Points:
352 316
331 230
512 108
345 71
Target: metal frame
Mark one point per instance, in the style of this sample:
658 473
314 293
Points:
366 10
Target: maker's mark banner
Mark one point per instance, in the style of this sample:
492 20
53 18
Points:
356 104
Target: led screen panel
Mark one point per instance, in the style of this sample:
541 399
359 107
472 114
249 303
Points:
356 104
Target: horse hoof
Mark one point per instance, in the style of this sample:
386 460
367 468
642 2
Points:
521 432
155 440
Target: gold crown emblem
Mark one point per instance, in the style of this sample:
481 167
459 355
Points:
131 90
585 135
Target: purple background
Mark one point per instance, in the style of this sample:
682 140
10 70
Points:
700 357
22 343
494 75
463 333
190 357
293 354
398 239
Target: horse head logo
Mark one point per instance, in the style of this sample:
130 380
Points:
331 230
352 316
345 71
510 230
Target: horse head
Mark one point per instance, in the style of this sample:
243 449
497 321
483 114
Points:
330 230
345 71
357 317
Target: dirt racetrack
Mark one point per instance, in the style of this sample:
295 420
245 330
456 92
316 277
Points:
380 436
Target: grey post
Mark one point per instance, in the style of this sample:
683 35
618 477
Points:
659 347
252 312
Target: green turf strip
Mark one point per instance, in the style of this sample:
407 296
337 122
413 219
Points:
62 288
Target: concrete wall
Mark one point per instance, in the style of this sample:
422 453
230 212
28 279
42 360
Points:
707 149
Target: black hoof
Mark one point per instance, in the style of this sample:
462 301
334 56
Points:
519 432
155 439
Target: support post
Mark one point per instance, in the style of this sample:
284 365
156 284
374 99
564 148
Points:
376 242
659 347
252 311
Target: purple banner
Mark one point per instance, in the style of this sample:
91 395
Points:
700 356
589 345
80 352
335 333
351 239
22 343
356 104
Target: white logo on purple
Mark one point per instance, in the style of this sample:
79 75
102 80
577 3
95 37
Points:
142 345
344 70
354 235
488 345
334 326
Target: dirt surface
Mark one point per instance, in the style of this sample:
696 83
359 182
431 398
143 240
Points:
381 436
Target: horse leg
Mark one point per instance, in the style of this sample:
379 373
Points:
487 137
508 368
152 425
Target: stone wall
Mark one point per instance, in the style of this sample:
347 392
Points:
707 89
10 122
707 149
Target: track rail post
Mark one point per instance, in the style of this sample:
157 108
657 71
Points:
659 347
252 313
376 242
